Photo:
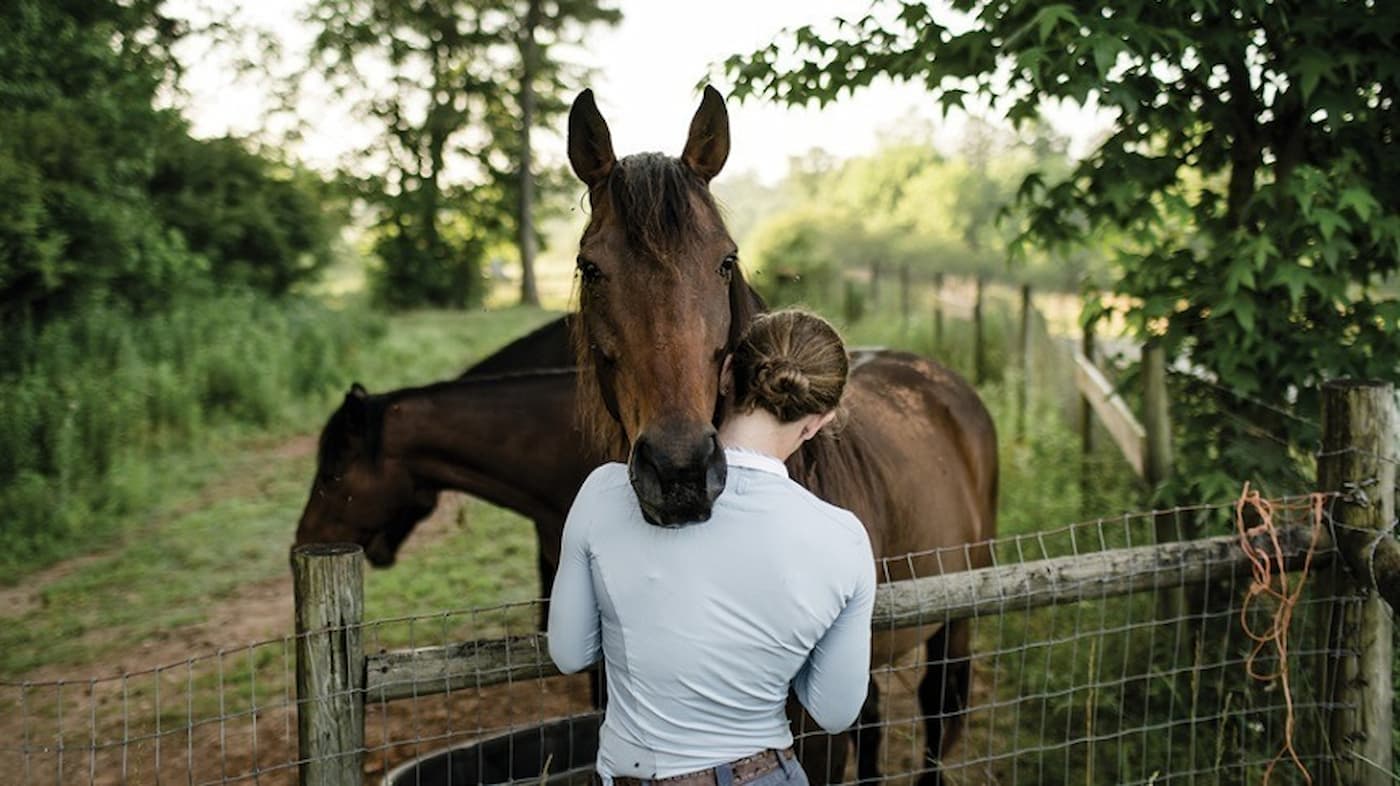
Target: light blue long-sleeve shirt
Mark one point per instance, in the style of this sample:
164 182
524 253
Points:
705 627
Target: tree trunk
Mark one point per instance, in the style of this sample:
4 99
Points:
525 218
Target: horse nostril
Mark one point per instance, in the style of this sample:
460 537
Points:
645 466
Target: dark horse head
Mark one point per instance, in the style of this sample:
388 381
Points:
359 495
661 301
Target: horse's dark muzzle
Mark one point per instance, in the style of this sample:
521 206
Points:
677 480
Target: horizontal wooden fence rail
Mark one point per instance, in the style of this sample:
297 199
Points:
930 600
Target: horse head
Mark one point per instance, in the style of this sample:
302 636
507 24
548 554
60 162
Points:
359 495
661 302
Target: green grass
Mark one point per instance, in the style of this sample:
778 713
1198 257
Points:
208 518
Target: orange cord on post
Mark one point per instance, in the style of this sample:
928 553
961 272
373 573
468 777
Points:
1285 597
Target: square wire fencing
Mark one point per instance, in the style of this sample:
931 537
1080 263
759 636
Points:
1089 665
1099 653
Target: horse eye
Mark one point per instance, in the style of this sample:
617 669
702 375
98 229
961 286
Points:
726 267
589 271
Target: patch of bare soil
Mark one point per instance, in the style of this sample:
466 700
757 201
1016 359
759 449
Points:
27 596
261 747
258 613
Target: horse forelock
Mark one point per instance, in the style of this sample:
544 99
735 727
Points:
659 204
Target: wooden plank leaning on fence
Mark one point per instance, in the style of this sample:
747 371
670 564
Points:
329 588
1358 458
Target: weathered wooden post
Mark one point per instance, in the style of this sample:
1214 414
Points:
1357 462
1024 355
328 582
1086 428
938 313
979 355
1156 422
1157 460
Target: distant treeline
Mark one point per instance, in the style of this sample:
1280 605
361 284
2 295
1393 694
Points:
906 204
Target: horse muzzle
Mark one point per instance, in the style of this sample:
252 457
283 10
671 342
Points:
677 475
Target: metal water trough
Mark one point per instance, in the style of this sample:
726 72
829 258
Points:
569 745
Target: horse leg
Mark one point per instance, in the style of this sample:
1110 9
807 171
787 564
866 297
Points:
943 696
865 737
822 756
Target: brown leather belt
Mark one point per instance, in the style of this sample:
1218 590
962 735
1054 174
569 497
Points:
746 769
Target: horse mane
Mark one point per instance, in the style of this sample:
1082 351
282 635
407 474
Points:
655 199
362 417
653 196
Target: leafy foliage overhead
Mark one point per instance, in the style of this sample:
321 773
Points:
1250 183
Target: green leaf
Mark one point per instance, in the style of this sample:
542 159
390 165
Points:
1312 67
1051 15
1105 51
1294 277
1241 273
1328 221
1359 200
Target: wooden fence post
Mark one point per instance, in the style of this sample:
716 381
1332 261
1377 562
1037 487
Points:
1024 356
938 313
1156 418
1358 463
1086 429
328 581
979 355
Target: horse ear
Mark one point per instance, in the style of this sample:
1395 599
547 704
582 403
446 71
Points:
590 144
357 391
707 147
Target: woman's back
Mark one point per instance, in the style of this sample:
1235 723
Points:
706 626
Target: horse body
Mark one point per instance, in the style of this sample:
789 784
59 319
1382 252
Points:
662 300
510 439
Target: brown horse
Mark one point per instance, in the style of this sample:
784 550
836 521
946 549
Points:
362 494
509 439
662 301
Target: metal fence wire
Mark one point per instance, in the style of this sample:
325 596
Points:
1151 687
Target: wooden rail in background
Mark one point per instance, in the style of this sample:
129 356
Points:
1113 412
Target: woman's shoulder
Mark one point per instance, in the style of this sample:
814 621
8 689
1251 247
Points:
606 478
835 516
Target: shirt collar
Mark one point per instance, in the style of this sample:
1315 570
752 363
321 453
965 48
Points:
752 459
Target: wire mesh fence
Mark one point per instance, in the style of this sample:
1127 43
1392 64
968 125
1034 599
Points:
1073 678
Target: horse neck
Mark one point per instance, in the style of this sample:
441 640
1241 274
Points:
510 441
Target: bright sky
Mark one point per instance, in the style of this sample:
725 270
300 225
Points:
647 69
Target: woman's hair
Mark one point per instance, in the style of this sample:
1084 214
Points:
791 363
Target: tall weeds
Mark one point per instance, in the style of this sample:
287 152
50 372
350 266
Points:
85 400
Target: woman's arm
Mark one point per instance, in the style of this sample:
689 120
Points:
575 627
833 682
